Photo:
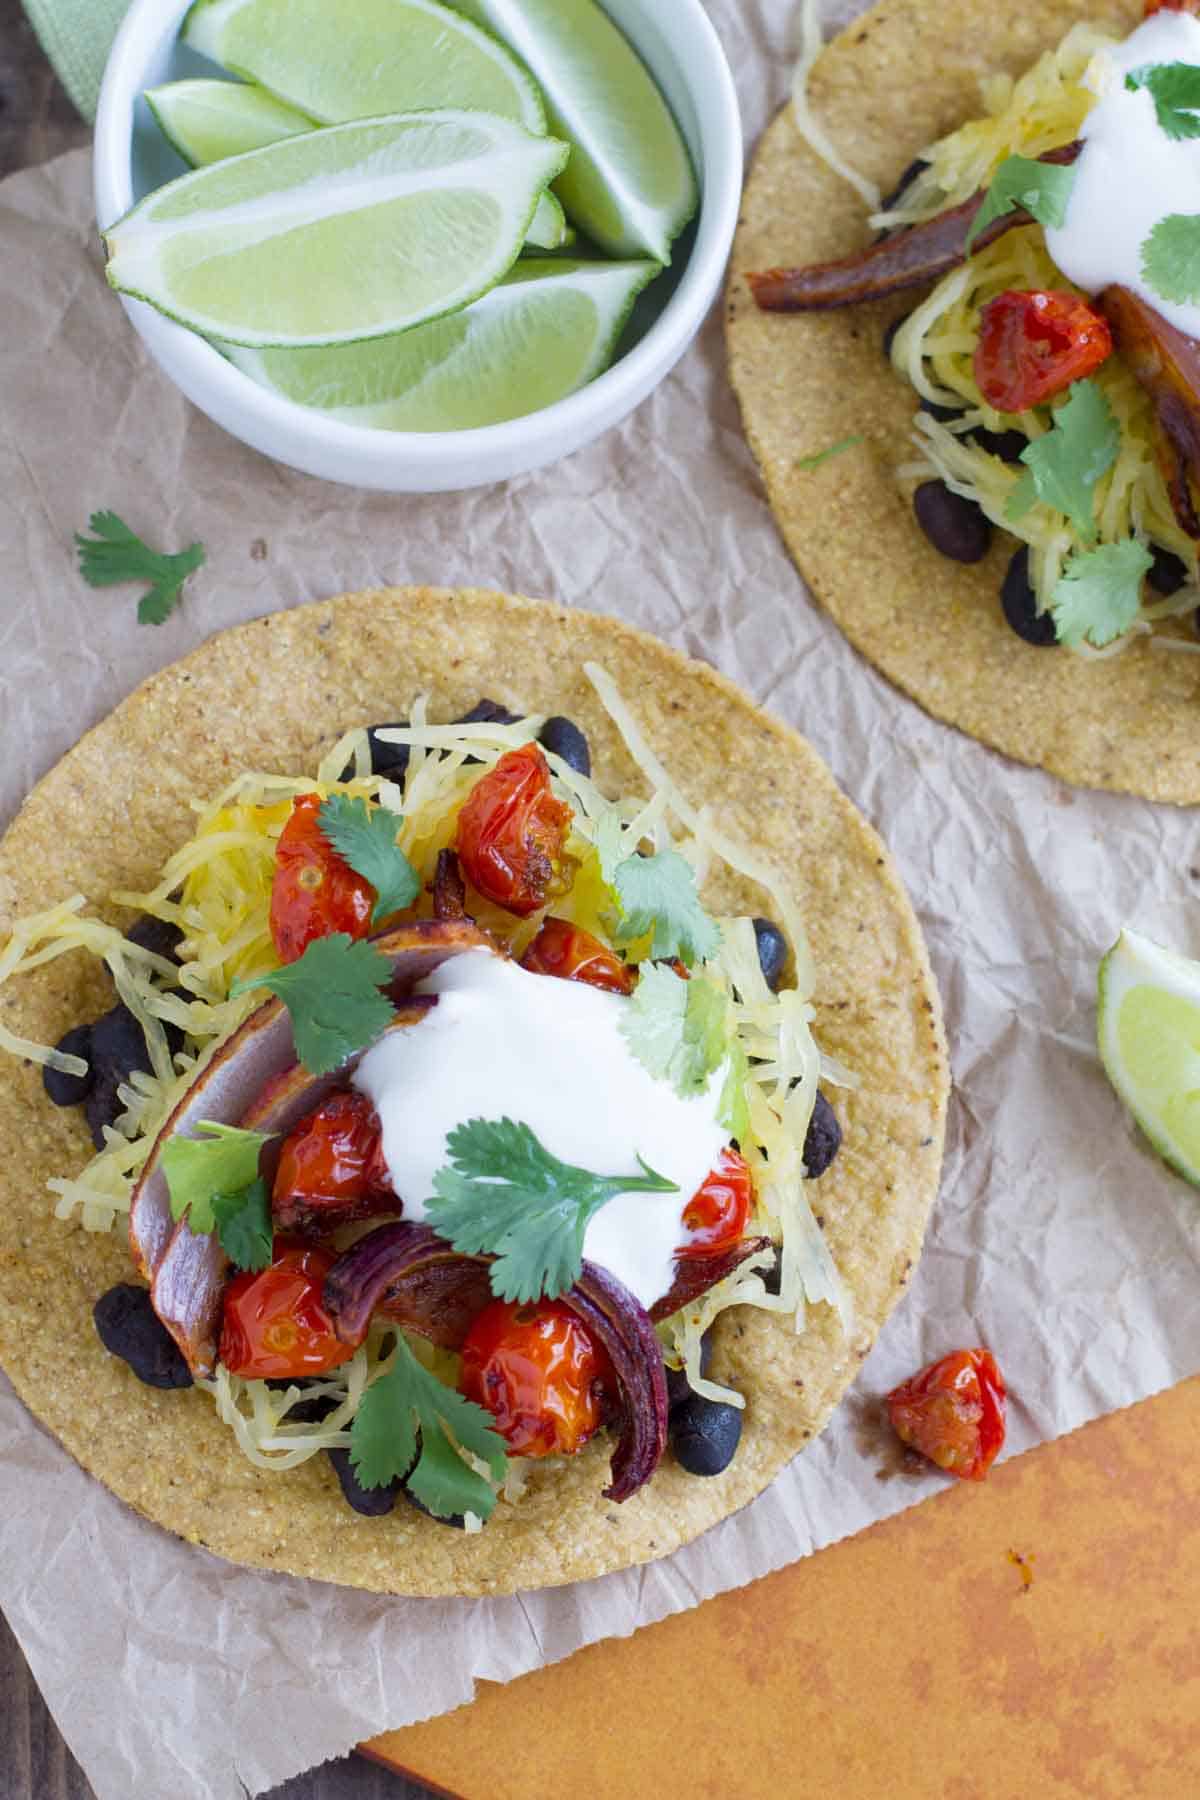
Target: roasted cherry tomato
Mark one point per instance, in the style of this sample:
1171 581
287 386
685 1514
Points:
539 1373
564 950
314 892
276 1327
1033 345
953 1412
511 833
1188 6
332 1161
717 1214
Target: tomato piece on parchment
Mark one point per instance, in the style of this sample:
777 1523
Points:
953 1412
511 833
1033 345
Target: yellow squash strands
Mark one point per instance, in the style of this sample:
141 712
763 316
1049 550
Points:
217 887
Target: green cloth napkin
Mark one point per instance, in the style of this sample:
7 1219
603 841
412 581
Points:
77 36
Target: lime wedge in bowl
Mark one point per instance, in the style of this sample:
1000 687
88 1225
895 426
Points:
629 184
355 231
208 121
548 229
355 59
548 328
1148 1026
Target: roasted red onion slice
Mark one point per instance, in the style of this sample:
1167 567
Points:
909 258
186 1285
412 1276
609 1311
1167 364
694 1275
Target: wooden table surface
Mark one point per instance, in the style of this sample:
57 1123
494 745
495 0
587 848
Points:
37 121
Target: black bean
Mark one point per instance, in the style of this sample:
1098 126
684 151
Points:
824 1138
488 712
891 201
772 1278
128 1326
1168 572
1009 446
889 336
943 414
386 759
1020 604
564 738
118 1048
307 1412
158 935
772 952
373 1503
679 1388
71 1090
705 1435
953 524
456 1521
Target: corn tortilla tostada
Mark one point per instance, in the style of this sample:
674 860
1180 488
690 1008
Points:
275 695
900 78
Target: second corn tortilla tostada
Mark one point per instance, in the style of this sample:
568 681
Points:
903 75
275 694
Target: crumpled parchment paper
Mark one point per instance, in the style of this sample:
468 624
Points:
1059 1239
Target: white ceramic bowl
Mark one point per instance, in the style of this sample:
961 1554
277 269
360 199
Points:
680 47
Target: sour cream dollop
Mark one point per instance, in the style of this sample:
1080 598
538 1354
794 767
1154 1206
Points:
1130 175
504 1043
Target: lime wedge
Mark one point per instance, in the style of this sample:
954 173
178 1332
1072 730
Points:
548 228
210 120
547 329
629 184
358 58
1148 1025
352 232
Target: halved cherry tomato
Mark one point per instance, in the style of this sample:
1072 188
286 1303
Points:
564 950
1187 6
1033 345
511 833
276 1327
539 1373
953 1412
718 1212
314 892
331 1160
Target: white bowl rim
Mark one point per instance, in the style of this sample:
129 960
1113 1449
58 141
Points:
228 394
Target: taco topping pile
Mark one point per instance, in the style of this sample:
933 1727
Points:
1057 358
445 1118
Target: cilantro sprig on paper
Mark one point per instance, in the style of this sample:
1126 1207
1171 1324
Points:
1099 594
408 1407
365 837
213 1179
678 1030
1064 465
1175 90
503 1194
116 555
1043 189
1171 258
657 898
334 993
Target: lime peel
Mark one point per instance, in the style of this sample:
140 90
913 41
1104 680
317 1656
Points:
1148 1034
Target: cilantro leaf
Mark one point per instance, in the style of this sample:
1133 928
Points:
1175 90
365 837
823 456
1043 189
409 1405
333 993
1100 593
198 1169
658 894
244 1225
1171 258
678 1030
116 555
504 1195
1064 465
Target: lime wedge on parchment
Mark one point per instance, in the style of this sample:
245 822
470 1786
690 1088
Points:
353 232
546 330
1148 1024
629 183
354 59
208 121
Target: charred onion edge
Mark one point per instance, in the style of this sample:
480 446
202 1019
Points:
1166 363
